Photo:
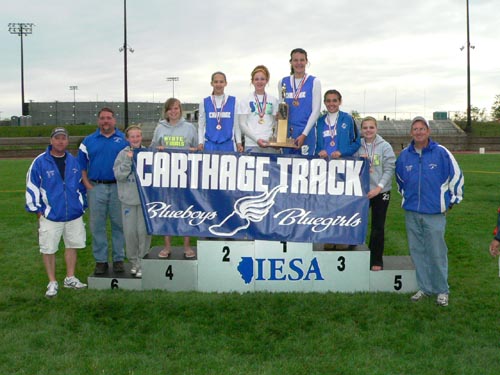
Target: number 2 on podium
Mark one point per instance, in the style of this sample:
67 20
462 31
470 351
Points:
226 251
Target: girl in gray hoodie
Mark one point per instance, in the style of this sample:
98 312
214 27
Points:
137 240
382 163
174 132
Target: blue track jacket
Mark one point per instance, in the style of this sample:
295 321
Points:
348 140
429 183
46 192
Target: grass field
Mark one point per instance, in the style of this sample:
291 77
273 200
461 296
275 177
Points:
153 332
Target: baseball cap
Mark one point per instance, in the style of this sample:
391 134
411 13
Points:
57 131
420 118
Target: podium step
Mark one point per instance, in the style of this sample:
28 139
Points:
223 266
397 276
115 280
175 273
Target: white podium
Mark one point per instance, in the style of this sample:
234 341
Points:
398 276
174 273
223 266
115 280
247 266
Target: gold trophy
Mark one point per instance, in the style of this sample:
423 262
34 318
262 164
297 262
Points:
280 137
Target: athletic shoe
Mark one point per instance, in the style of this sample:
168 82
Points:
52 289
442 299
133 270
73 283
418 296
138 274
118 266
100 268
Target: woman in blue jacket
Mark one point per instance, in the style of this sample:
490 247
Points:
338 135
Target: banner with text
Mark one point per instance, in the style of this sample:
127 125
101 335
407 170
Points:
254 197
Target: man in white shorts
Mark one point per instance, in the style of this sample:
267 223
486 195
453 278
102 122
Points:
56 194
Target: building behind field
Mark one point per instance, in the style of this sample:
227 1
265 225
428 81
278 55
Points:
67 113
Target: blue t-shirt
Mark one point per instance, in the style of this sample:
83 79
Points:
97 154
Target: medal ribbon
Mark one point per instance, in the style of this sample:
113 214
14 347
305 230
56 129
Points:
261 108
296 91
333 129
218 113
371 156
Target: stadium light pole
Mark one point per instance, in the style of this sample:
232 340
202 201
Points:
22 29
173 80
74 88
468 127
125 48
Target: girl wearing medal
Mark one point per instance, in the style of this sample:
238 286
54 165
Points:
216 120
257 116
382 161
337 132
303 96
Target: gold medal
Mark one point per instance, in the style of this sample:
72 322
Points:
296 91
332 143
218 127
261 107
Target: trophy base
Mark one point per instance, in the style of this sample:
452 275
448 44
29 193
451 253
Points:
289 143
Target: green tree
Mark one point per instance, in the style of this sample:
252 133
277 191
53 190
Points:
495 109
460 116
355 114
476 114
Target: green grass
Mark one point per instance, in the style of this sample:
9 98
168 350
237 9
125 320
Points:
483 128
153 332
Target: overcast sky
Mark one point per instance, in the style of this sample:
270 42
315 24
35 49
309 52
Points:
385 56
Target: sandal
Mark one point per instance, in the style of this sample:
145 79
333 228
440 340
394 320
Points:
189 254
165 253
377 268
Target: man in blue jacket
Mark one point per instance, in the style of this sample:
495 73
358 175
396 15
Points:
56 194
431 182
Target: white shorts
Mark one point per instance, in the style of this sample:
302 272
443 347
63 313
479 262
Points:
50 232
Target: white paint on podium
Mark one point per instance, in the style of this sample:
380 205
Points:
283 266
174 274
397 276
224 266
343 271
115 280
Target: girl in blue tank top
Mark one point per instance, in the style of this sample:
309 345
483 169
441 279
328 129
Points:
303 96
216 123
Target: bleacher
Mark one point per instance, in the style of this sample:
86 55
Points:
389 128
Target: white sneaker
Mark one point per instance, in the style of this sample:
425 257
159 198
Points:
133 270
138 273
442 299
52 289
418 296
73 283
